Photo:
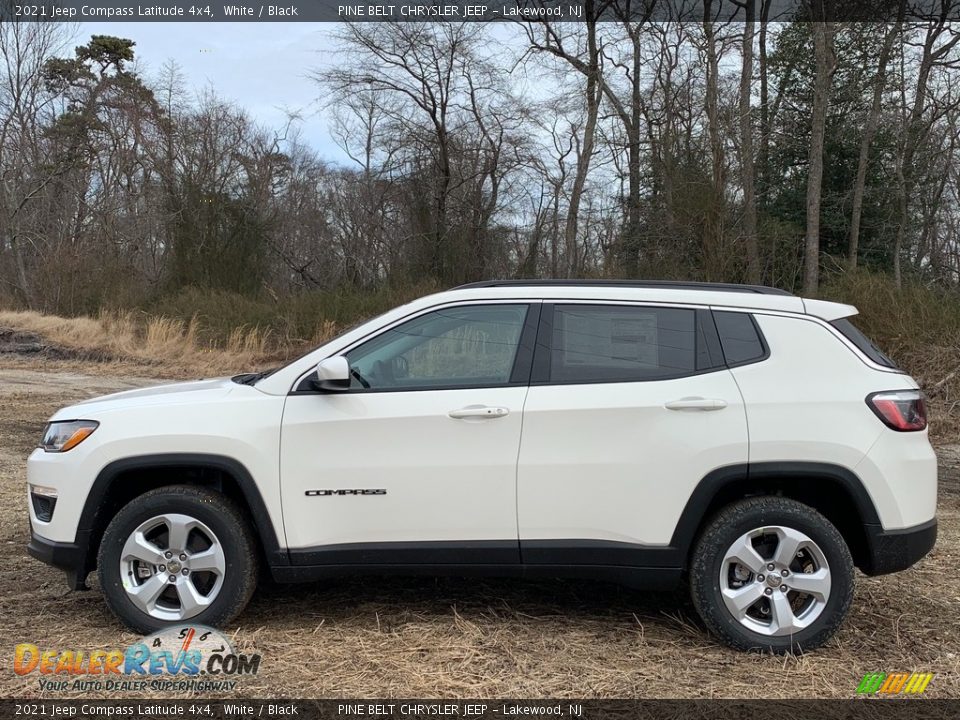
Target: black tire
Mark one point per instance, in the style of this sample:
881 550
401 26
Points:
219 514
740 518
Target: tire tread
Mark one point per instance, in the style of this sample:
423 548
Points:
725 527
231 600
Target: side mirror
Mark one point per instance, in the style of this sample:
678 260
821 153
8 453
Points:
333 374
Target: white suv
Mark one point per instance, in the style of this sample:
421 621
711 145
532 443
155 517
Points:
750 442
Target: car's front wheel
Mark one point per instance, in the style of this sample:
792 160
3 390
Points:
176 554
771 573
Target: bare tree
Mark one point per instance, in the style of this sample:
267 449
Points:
823 34
24 104
747 160
939 38
424 64
584 149
713 233
869 130
628 109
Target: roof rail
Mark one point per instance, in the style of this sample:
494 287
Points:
666 284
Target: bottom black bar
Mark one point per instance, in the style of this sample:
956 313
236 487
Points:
873 708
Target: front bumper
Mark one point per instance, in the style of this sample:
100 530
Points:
893 550
73 558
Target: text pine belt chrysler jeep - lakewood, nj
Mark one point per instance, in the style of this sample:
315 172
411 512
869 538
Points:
745 441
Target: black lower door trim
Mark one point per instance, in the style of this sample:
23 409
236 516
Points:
491 552
598 552
472 552
641 566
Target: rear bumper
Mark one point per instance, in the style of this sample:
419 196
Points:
72 558
893 550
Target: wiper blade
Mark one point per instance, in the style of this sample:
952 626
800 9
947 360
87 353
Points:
250 378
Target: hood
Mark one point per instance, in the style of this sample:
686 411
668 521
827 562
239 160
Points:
167 394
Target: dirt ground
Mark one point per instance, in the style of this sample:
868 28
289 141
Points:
470 638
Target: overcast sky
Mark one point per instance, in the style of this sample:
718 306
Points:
263 67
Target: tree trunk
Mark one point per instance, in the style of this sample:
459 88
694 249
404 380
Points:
23 280
713 226
869 130
747 170
594 93
630 262
823 51
438 260
763 154
902 212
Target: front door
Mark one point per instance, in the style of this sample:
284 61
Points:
416 462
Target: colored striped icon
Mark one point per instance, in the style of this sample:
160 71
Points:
894 683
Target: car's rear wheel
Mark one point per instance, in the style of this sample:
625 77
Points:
771 573
177 554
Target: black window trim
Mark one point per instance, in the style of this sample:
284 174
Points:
756 327
707 325
863 343
519 373
542 358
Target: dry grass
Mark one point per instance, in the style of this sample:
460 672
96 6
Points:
937 370
168 346
479 638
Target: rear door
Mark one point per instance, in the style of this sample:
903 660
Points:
630 406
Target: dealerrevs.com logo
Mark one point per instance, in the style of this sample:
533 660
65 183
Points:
183 658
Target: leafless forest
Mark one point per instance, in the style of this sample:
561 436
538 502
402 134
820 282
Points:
785 153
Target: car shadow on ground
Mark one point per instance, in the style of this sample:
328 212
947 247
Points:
491 598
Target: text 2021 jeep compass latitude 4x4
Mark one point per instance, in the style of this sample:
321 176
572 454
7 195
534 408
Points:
749 441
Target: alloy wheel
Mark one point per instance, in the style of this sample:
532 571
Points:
775 580
172 567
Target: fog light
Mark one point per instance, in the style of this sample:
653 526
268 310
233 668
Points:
44 501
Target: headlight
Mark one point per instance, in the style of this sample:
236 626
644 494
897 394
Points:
62 436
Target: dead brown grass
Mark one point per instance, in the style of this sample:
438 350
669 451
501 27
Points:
478 638
171 347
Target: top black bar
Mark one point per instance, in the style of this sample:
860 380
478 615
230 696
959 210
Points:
666 284
619 11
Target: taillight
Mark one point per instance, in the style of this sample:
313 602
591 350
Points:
902 410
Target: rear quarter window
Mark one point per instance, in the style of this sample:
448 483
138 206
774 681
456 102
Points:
852 333
739 337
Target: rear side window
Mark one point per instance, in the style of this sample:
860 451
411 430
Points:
739 338
611 343
865 344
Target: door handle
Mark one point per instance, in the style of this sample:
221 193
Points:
696 403
479 411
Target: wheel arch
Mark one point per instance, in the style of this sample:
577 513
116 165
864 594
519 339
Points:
109 492
833 490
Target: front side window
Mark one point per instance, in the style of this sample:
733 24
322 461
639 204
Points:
611 343
468 346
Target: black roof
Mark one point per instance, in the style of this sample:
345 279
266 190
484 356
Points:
666 284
